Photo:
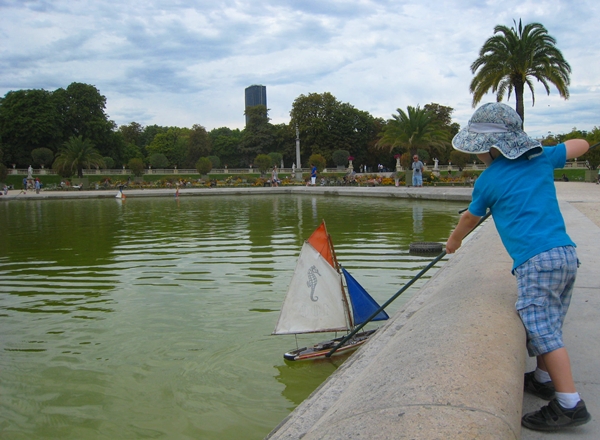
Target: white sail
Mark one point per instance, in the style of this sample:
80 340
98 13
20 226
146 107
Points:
314 301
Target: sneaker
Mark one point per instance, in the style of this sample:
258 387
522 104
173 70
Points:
540 389
553 417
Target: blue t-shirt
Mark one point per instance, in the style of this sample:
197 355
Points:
521 196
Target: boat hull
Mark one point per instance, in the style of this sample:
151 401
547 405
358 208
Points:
320 350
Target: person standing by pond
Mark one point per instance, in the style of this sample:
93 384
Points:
274 177
520 173
417 167
313 174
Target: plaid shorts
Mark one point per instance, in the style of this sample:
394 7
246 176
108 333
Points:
545 283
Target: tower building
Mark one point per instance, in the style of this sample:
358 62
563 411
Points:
255 95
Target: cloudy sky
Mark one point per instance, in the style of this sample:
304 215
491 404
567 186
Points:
185 62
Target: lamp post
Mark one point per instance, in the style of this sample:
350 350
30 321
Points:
298 163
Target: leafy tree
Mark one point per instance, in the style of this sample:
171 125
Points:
204 166
216 162
81 108
514 58
148 135
593 155
284 143
459 158
3 172
318 160
136 165
77 154
411 130
326 124
158 160
198 146
275 158
173 144
263 162
109 163
42 156
257 137
225 145
132 133
340 157
28 120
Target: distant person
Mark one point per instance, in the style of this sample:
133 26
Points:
274 177
313 174
24 184
520 173
417 167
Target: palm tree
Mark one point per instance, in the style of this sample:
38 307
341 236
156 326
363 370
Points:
515 57
77 154
411 130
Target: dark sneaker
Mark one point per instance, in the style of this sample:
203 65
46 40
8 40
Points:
542 390
553 417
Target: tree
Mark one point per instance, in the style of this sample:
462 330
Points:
326 125
109 162
198 146
81 108
216 162
276 158
514 58
224 145
263 163
42 156
411 130
77 154
136 165
318 161
28 120
173 144
203 166
3 172
158 160
257 137
340 157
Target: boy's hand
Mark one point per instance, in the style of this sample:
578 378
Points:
452 245
466 223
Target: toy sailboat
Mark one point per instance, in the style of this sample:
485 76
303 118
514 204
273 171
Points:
316 300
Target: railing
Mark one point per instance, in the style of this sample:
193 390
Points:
174 171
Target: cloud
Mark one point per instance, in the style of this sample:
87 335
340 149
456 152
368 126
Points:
175 62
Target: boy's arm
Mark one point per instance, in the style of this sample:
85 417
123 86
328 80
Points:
576 148
465 225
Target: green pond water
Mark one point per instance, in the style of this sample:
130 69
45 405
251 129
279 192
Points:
151 318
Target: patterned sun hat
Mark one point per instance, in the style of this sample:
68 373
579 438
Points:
496 125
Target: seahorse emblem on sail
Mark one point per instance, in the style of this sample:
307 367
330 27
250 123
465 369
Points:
312 282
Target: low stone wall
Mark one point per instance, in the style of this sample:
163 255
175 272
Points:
449 365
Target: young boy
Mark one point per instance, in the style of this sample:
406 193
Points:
518 188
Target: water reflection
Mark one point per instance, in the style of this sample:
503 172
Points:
152 317
302 378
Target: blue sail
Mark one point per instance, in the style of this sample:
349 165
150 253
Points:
363 305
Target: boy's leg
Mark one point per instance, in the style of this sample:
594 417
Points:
558 365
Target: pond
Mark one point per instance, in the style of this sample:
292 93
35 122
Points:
152 317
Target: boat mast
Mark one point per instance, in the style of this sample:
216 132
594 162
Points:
337 267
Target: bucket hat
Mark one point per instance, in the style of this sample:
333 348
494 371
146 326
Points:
496 125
